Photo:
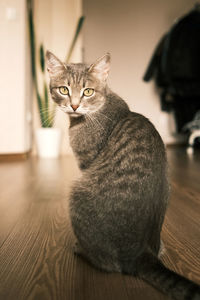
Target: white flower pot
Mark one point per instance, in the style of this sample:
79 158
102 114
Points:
48 141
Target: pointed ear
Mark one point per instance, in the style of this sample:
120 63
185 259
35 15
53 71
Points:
54 65
101 67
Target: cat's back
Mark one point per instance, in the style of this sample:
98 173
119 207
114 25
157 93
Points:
133 161
133 142
137 131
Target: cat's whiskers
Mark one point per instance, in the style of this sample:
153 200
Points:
91 122
47 123
99 123
46 109
46 112
97 112
95 122
49 120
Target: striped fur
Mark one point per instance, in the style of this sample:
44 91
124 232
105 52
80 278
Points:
118 206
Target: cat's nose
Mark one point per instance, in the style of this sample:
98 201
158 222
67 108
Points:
74 107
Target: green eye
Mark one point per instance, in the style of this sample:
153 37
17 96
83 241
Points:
63 90
88 92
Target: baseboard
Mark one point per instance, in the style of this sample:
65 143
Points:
176 145
14 157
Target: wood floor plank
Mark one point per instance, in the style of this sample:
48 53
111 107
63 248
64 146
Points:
181 230
36 239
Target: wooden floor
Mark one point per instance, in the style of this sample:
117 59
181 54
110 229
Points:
36 258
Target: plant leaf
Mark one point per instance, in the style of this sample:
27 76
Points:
78 29
46 97
33 60
39 101
31 36
42 59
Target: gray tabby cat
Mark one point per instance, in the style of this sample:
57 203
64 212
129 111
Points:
118 206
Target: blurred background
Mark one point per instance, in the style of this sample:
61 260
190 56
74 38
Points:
129 30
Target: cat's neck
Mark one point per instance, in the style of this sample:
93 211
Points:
76 121
89 134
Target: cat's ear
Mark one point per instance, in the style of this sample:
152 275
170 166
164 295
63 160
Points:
54 65
101 67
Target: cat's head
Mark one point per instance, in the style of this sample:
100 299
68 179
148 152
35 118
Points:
77 88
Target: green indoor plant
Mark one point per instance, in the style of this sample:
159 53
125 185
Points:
45 107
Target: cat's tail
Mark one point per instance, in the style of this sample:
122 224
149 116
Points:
151 269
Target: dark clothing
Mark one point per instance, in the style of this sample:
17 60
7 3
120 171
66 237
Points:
175 67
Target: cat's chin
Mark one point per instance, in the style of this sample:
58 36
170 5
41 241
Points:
75 115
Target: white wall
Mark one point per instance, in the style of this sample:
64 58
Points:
130 30
15 128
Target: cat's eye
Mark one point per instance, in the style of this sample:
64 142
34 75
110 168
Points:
63 90
88 92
